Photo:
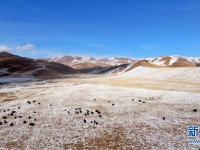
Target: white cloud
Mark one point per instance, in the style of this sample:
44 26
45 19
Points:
4 48
25 47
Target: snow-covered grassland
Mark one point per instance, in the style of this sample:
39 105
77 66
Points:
95 113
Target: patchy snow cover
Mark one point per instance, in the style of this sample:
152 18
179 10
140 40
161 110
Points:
158 61
129 66
193 59
78 60
173 60
121 126
162 62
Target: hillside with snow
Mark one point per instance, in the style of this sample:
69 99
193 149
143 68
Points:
17 66
83 62
117 65
175 61
182 74
13 65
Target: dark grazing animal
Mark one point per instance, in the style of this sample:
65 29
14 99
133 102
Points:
98 111
12 124
12 113
31 124
194 110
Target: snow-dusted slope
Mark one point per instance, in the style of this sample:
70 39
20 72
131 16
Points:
193 59
117 65
81 62
175 61
188 74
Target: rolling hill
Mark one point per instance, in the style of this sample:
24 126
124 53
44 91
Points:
16 66
119 65
56 67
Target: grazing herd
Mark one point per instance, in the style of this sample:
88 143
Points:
9 115
86 113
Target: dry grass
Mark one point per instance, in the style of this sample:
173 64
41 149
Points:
16 144
7 96
4 94
170 85
116 139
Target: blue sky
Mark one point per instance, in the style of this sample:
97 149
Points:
102 28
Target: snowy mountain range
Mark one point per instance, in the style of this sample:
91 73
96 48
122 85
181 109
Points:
116 65
55 67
